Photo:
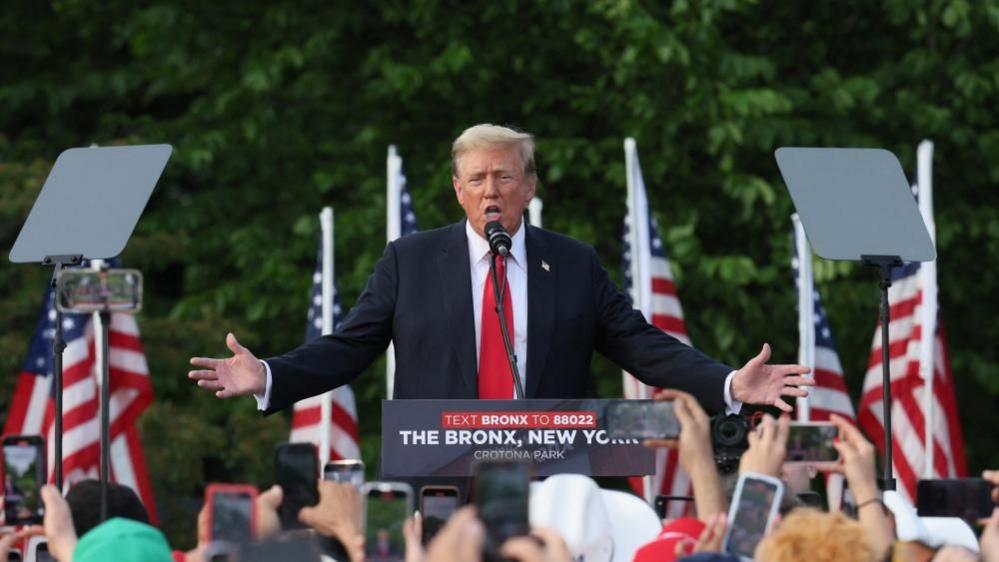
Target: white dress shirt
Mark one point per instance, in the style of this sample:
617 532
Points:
516 275
516 278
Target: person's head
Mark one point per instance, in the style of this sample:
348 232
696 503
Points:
122 540
493 173
809 534
84 500
797 477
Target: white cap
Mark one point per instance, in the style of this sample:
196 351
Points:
931 531
597 525
950 531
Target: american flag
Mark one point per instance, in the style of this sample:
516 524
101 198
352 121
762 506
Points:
829 395
32 410
909 454
306 416
907 389
645 257
407 218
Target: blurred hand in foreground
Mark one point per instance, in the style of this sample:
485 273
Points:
767 447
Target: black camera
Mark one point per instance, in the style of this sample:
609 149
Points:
729 438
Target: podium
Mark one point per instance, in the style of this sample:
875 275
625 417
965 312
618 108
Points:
445 438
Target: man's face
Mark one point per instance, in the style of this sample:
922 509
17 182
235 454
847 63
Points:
491 185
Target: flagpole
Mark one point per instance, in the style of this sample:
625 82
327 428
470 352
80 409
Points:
806 309
101 370
326 400
637 294
630 161
534 209
393 229
928 316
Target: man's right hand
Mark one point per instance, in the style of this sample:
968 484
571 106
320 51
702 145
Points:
240 375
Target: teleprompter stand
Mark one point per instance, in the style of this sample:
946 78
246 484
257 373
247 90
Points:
88 208
855 205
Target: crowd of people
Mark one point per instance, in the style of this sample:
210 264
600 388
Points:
75 534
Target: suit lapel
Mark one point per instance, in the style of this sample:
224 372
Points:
540 307
456 279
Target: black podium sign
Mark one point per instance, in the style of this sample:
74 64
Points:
446 437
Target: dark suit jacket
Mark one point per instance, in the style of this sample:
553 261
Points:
420 297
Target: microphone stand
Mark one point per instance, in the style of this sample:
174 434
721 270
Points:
510 355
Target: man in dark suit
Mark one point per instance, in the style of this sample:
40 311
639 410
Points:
432 295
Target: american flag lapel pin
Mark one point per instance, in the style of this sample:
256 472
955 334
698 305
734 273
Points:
545 266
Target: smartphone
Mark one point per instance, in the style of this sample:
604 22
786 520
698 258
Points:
501 494
661 503
296 470
812 442
387 505
754 507
437 504
24 474
232 512
642 419
37 549
967 498
349 470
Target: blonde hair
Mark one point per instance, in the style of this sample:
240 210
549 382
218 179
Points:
486 135
809 534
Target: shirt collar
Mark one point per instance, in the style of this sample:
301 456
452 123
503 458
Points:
478 247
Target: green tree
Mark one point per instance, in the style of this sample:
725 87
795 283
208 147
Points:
278 108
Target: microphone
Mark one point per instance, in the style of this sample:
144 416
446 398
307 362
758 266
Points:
499 239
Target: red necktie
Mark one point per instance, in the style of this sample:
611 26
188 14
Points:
495 377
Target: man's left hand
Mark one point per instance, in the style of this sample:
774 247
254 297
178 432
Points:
760 383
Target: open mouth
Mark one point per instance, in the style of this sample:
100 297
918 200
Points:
493 213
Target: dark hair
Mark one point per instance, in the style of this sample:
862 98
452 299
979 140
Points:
84 500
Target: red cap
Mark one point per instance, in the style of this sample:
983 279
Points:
663 548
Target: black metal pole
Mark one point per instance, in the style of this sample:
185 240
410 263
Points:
58 346
885 265
105 411
510 355
888 480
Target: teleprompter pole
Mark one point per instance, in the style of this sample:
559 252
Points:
885 265
58 347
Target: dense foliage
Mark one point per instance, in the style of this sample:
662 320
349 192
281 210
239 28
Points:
278 108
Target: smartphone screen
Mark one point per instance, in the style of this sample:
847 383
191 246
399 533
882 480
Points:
812 442
386 507
662 503
642 419
42 553
501 494
296 470
967 498
351 471
232 514
23 475
753 510
437 504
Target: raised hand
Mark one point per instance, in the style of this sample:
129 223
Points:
760 383
767 447
240 375
695 452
